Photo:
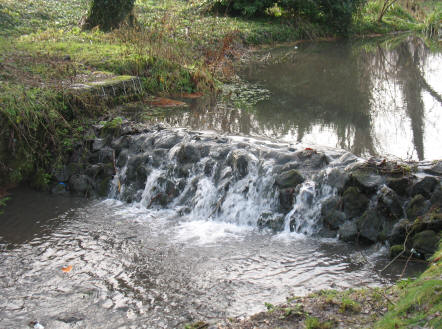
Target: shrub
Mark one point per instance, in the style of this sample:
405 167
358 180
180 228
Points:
334 14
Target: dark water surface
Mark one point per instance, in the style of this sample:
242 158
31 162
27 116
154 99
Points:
138 268
372 98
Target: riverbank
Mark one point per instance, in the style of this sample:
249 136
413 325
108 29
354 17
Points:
407 304
177 48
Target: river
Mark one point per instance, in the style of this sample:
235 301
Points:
180 239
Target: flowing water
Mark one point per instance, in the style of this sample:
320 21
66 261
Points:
181 235
135 268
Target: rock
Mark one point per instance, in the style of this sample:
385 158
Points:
208 167
334 219
272 221
120 143
167 141
188 154
59 189
417 206
106 155
286 199
354 202
61 174
311 159
399 232
79 183
184 170
239 161
424 187
103 186
98 144
399 185
435 169
337 178
366 179
426 242
396 250
347 158
331 216
389 204
370 226
290 178
436 197
348 231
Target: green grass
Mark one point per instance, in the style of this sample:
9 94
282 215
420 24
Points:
420 301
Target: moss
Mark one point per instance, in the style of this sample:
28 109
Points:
349 305
396 250
314 323
420 301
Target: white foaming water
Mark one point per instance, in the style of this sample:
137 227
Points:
207 198
305 214
202 232
150 188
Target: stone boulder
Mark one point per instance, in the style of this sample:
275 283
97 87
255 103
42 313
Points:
289 179
417 206
426 242
348 231
370 226
389 204
355 202
424 187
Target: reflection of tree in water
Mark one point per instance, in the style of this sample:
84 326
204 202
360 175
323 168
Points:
402 65
331 86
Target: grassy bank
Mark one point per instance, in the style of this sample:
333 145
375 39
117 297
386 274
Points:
176 47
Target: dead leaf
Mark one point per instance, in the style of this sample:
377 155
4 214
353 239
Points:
192 96
166 102
66 269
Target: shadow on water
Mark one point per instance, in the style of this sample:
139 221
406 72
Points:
373 98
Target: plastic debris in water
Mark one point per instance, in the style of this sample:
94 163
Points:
66 269
36 325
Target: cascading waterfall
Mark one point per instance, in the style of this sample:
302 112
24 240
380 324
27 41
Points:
202 177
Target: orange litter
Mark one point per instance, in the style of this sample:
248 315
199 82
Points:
66 269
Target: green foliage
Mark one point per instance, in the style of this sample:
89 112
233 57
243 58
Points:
109 14
335 15
242 7
349 305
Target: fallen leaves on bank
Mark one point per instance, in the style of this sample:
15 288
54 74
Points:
166 102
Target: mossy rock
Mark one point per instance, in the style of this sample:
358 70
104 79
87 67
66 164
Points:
355 202
417 206
396 250
426 242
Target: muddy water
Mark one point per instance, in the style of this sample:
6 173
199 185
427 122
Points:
373 98
139 268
